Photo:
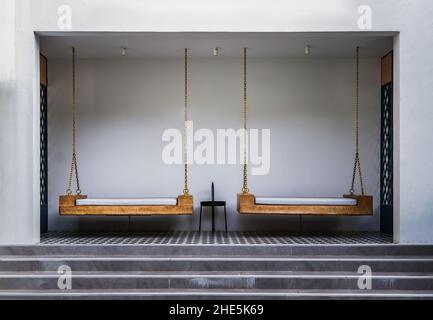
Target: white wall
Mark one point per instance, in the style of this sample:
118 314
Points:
124 106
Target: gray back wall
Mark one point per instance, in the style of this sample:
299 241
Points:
124 105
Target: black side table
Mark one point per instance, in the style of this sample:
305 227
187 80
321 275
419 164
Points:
213 204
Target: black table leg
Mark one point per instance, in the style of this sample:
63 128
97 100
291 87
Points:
213 219
199 226
225 216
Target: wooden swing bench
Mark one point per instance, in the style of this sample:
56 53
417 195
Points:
349 205
80 205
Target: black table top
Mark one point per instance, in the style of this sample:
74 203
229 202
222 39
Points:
212 203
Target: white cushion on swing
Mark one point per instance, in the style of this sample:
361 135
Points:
127 202
306 201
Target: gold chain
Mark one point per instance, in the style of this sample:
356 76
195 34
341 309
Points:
245 189
74 166
185 130
357 163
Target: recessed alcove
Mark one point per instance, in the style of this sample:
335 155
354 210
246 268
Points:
125 102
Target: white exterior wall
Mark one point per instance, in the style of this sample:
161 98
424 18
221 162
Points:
19 126
414 115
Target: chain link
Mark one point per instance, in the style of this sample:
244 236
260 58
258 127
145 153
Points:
245 189
74 165
357 162
185 130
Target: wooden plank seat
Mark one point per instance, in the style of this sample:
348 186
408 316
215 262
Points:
80 205
349 205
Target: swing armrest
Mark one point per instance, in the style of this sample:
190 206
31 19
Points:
185 201
69 200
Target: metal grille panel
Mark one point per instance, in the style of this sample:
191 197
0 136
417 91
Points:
43 157
386 194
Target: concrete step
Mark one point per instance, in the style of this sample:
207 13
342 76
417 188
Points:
217 263
215 280
226 249
252 294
